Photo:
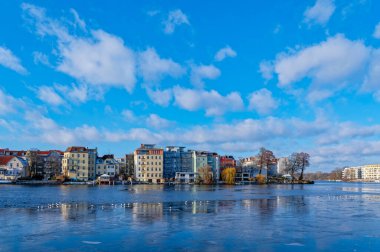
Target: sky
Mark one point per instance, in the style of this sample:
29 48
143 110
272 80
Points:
217 75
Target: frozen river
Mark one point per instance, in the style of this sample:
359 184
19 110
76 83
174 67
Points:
320 217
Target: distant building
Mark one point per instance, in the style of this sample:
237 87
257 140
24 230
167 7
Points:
176 159
130 165
185 177
79 163
44 164
12 167
149 164
201 159
227 162
370 172
352 173
122 167
281 165
107 165
16 153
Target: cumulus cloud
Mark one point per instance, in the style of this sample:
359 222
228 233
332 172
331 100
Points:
153 68
201 72
224 53
212 102
262 101
175 18
160 97
266 70
328 67
9 60
128 115
8 103
41 58
49 96
99 59
155 121
78 22
376 32
320 12
334 60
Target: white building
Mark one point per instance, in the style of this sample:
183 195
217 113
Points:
185 177
12 167
107 165
352 173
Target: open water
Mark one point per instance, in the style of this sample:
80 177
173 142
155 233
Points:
320 217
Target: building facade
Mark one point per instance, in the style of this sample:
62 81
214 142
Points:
149 164
107 165
12 167
176 159
370 172
352 173
185 177
44 164
130 165
79 163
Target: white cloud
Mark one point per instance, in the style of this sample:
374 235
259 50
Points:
317 95
266 70
211 101
332 61
99 59
41 58
225 52
376 33
262 101
320 13
153 68
9 60
174 19
201 72
49 96
78 22
326 68
160 97
128 115
158 122
8 104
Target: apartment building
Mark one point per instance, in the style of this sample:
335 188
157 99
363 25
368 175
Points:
79 163
176 159
149 164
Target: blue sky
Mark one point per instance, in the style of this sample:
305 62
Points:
213 75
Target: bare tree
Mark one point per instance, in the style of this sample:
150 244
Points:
265 159
291 165
303 160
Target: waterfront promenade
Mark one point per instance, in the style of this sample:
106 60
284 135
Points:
326 216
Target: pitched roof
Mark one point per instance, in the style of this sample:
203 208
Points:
76 149
4 160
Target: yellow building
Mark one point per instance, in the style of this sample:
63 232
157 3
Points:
78 163
149 164
370 172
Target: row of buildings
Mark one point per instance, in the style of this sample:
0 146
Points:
365 173
148 163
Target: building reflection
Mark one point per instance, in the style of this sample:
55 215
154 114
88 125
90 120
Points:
77 211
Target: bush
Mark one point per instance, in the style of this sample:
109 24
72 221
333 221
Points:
260 179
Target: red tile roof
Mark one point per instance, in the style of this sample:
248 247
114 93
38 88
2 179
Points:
76 149
4 160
